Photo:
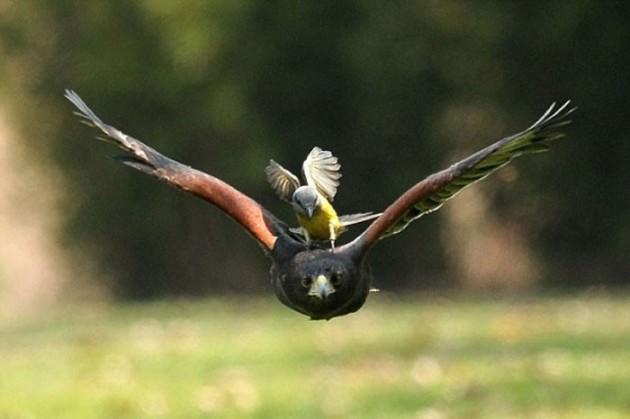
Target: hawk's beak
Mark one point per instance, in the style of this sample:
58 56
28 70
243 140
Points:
321 288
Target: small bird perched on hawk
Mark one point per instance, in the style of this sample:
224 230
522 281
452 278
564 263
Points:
312 202
317 282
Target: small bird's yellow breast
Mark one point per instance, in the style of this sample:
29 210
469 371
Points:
319 225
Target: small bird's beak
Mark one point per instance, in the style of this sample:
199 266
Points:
309 211
321 288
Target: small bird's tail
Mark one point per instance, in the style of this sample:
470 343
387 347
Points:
350 219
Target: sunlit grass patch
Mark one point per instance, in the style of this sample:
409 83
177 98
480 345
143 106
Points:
421 357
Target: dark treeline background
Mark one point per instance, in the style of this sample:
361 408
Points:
396 90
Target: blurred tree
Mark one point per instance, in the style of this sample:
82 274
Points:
396 90
33 270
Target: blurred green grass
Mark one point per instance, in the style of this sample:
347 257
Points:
422 357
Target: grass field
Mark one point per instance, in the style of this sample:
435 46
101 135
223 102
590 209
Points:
425 357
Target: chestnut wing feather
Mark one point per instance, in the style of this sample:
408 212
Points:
259 222
431 193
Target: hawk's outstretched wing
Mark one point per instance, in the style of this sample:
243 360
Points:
283 182
260 223
429 194
321 171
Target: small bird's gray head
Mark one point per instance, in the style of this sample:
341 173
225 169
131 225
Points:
305 200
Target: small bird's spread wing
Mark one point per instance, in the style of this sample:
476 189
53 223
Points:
321 171
283 182
429 194
260 223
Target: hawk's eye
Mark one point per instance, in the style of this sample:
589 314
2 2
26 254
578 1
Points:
306 282
335 279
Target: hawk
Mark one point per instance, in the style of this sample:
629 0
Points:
323 283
